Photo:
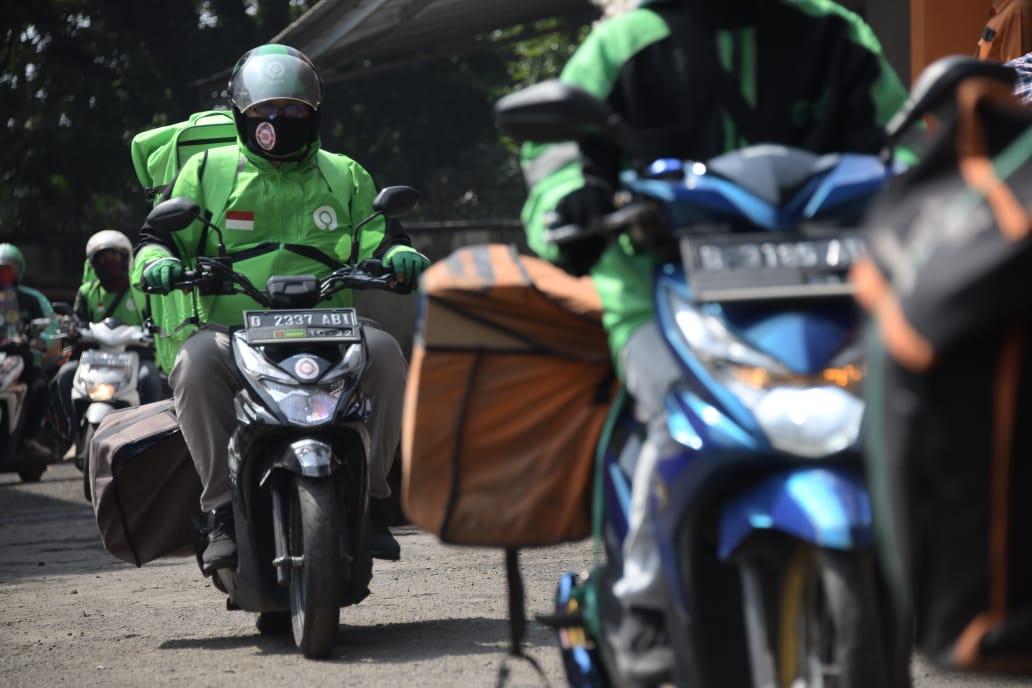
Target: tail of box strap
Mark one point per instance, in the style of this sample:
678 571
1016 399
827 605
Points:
146 492
508 389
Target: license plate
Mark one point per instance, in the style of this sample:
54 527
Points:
314 324
755 267
110 359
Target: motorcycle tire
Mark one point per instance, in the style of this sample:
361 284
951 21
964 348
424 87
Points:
87 439
314 524
828 627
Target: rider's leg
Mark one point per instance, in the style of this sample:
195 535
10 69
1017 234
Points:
384 378
650 370
204 381
149 383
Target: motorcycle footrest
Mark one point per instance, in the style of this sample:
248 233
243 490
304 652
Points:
559 621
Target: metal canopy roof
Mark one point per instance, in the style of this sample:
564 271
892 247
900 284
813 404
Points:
351 37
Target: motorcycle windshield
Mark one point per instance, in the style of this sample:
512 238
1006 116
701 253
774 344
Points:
770 188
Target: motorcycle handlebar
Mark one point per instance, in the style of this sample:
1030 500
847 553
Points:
371 273
610 223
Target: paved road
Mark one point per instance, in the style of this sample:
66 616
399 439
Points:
72 615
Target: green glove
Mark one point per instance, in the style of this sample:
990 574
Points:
162 274
408 264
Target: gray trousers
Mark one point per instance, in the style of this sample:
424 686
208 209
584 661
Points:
649 371
204 381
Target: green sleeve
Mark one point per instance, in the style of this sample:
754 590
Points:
553 171
362 192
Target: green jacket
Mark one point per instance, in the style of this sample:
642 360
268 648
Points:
93 304
805 73
293 220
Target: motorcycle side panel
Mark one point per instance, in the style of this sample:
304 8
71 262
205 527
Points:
824 506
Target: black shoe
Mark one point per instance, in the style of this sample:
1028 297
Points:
274 623
382 544
221 552
642 647
35 453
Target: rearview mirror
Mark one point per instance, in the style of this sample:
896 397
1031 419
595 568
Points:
553 111
394 201
173 215
62 308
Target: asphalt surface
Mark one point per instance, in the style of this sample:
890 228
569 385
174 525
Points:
73 615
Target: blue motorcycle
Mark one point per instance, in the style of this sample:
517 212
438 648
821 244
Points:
763 517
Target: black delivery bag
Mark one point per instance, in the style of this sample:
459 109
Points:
949 386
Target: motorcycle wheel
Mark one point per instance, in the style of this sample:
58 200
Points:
313 531
87 440
828 629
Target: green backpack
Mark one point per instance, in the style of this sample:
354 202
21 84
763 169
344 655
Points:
158 154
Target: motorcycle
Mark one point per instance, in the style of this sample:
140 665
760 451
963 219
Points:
105 380
297 459
14 392
763 518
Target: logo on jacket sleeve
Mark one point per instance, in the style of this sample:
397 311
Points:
325 218
240 219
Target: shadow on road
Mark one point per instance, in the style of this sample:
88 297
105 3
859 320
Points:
422 640
43 535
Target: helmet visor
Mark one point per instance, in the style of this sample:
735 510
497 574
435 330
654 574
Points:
272 77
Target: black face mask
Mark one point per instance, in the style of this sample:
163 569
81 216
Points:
113 277
279 138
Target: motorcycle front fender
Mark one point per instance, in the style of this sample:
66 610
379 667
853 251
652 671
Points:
827 507
96 411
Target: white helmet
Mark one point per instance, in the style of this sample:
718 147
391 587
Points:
109 239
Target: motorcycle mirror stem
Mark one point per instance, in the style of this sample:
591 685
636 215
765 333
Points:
392 201
178 213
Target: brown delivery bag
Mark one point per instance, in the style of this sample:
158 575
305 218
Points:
146 492
508 389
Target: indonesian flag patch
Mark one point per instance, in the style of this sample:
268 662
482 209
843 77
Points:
240 219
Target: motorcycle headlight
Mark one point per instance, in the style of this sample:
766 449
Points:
354 359
102 383
808 415
303 404
254 365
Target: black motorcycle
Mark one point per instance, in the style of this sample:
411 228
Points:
297 460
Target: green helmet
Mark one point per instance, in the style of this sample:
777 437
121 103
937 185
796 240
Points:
272 72
275 73
12 255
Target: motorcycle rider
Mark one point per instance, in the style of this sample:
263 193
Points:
694 79
20 305
285 215
106 292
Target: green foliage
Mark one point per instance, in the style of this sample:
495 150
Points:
78 78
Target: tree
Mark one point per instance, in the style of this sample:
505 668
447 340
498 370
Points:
78 78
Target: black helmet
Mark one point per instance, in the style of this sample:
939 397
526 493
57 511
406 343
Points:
274 73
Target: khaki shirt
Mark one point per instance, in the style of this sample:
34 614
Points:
1008 32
